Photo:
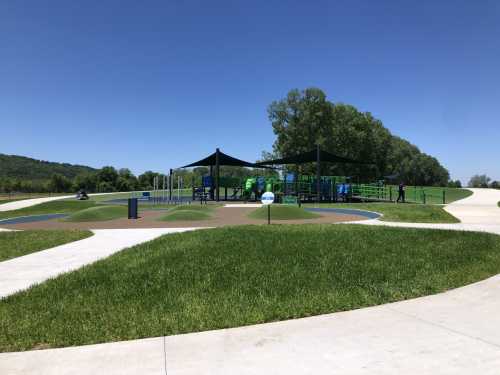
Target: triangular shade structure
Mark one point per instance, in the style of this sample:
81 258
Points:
224 159
312 157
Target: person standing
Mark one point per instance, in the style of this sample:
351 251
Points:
401 196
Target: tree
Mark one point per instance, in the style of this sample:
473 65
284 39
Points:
86 181
479 181
455 184
107 174
126 180
59 184
495 185
306 118
146 180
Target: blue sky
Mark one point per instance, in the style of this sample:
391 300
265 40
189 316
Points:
157 84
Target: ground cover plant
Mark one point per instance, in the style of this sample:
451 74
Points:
54 207
16 244
98 213
402 212
234 276
282 212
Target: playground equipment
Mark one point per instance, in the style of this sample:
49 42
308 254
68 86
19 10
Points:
292 188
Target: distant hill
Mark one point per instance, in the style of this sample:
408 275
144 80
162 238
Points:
21 167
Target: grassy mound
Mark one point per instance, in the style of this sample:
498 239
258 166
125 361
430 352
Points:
406 213
98 213
185 215
54 207
193 207
283 212
229 277
16 244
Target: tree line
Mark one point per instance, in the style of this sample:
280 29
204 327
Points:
483 181
306 118
109 179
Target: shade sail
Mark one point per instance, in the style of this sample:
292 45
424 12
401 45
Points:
312 157
224 159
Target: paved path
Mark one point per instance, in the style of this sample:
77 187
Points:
23 203
16 205
478 213
22 272
457 332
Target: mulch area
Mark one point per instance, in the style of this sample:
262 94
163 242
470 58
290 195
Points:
223 216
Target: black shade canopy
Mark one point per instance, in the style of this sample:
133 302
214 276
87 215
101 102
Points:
224 159
312 157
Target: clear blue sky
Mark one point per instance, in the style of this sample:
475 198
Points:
156 84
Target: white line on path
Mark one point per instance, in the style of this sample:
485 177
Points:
452 333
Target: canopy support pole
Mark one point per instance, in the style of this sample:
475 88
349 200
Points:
170 185
217 170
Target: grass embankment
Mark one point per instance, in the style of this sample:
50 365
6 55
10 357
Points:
406 213
54 207
451 194
98 213
228 277
16 244
108 197
188 212
282 212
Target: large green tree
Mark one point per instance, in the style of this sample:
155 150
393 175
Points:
306 118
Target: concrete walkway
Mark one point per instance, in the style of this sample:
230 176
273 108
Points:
477 213
20 273
16 205
23 203
457 332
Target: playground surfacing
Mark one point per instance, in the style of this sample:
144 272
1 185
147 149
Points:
222 216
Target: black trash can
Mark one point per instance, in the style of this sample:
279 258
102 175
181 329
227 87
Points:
132 208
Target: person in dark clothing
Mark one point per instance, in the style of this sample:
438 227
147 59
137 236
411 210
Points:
401 196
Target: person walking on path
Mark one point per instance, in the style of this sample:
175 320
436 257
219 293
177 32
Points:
401 196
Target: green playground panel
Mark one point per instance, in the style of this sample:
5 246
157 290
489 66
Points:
289 199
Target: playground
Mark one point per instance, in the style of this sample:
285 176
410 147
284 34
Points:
202 258
233 276
288 187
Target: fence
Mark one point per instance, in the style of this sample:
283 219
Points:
389 193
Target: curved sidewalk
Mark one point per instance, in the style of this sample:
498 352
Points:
478 213
457 332
23 203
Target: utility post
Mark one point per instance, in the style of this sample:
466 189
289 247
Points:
170 184
318 173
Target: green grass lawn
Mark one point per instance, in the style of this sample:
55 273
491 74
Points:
54 207
16 244
228 277
282 212
188 212
98 213
107 197
407 213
